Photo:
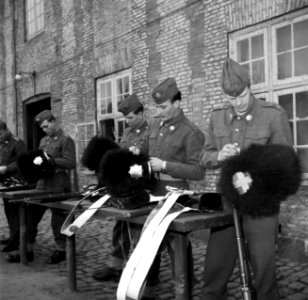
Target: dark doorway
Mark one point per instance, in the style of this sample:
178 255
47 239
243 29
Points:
32 107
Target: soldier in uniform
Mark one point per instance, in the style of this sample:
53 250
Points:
132 109
243 121
60 148
10 148
174 144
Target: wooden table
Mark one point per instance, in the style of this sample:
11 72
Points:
22 197
179 229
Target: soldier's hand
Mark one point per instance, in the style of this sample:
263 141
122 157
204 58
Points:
3 169
156 164
227 151
134 150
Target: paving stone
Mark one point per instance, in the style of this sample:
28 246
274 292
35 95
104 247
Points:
93 244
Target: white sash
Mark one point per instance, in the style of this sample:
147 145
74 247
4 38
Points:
132 282
70 229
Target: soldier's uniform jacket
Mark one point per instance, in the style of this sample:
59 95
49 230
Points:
10 149
61 148
264 123
133 136
179 142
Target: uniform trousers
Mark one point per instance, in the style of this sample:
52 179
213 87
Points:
12 214
221 255
60 182
120 243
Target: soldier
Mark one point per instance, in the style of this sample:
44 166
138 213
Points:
10 148
132 109
245 120
60 148
174 144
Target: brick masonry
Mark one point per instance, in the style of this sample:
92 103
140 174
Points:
85 40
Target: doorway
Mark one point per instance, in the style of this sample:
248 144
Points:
33 106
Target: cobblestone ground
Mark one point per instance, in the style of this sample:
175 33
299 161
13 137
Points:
93 247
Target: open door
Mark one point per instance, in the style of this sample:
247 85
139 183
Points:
33 106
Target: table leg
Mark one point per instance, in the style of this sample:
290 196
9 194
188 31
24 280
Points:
71 262
23 237
180 266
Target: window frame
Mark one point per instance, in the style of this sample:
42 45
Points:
115 115
37 17
79 151
248 35
274 87
294 79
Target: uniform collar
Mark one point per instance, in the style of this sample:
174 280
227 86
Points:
7 138
249 115
174 122
140 128
56 135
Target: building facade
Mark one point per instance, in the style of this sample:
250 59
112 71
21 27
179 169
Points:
80 58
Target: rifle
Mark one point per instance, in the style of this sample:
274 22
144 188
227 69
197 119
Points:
246 282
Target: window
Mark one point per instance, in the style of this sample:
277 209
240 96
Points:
291 49
295 103
34 16
84 134
276 55
251 53
111 90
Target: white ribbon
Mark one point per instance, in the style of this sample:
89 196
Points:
133 277
70 229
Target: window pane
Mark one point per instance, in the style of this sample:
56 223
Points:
301 34
109 105
302 129
301 62
286 102
303 156
302 105
242 50
257 46
258 74
108 89
121 127
89 132
284 38
81 133
126 85
107 128
284 65
119 86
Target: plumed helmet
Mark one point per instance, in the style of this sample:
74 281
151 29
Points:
35 165
270 174
95 150
127 177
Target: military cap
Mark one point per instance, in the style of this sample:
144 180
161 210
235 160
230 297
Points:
165 91
234 78
44 115
129 104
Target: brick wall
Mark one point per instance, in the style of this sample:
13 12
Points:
85 40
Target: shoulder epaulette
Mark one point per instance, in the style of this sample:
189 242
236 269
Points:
271 105
222 107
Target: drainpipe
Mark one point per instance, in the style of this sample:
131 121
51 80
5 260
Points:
15 64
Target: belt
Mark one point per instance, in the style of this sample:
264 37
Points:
167 177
